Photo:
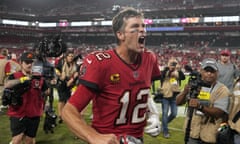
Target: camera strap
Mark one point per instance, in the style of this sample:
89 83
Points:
236 117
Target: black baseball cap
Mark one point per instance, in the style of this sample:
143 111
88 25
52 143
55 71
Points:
27 56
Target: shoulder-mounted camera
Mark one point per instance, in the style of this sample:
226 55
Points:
196 83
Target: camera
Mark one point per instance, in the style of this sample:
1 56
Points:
6 97
53 47
50 120
196 83
173 64
11 98
47 48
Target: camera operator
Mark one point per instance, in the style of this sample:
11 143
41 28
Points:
24 95
209 103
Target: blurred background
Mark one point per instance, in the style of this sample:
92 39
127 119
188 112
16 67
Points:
187 29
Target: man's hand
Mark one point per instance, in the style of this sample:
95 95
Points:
193 102
153 127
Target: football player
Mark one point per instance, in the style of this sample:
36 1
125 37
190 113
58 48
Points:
118 82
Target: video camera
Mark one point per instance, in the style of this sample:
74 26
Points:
196 83
13 96
47 48
43 68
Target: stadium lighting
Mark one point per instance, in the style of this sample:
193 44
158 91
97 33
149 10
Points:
47 24
15 22
106 23
83 23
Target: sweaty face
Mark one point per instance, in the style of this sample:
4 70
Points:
134 34
209 75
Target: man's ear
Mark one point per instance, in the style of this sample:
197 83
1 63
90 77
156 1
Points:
120 35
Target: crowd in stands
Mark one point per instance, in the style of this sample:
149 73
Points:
73 7
186 55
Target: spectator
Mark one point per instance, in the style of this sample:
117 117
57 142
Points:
67 74
228 72
26 103
210 106
15 66
118 82
5 69
170 87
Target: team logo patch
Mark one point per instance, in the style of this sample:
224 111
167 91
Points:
30 56
115 78
135 74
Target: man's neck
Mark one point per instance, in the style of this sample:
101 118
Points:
127 56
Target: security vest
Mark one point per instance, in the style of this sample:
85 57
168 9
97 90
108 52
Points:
234 114
204 127
3 75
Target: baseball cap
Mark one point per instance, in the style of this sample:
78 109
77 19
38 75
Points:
27 56
209 62
225 52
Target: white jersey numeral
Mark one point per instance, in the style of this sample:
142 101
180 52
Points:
125 101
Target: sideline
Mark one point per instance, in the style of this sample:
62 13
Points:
181 110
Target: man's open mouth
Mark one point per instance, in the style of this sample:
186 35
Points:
141 40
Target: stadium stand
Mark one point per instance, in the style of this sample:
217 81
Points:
196 41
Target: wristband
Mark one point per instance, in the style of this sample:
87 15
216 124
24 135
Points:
23 79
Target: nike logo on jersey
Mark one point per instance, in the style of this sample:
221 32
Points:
89 61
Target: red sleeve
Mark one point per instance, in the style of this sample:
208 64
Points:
8 68
81 97
156 68
91 72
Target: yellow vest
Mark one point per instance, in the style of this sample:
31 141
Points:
202 126
3 75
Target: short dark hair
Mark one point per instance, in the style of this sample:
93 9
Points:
118 21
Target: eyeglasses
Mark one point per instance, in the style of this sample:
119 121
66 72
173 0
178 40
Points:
70 56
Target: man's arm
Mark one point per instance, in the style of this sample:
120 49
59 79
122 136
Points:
11 82
210 111
76 123
182 96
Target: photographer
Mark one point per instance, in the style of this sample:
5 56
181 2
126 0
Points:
67 72
209 104
171 78
24 95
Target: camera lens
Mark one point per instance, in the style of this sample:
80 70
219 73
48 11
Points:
173 64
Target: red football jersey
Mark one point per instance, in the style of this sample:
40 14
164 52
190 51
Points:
120 91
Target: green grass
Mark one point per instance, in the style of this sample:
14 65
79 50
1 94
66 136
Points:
62 135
